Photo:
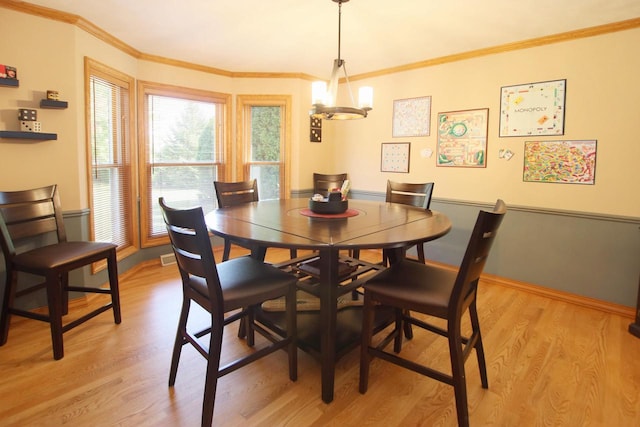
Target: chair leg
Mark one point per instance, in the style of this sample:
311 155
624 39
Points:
179 341
458 375
227 250
475 326
112 266
408 330
7 303
420 248
292 333
367 334
211 379
54 301
242 328
64 292
242 325
250 319
397 341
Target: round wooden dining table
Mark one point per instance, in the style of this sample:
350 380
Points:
288 223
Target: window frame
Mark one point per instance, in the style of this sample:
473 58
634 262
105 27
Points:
146 88
243 137
93 68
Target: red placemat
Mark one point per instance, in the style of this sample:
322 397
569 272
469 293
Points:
345 214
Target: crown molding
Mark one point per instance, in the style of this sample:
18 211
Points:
78 21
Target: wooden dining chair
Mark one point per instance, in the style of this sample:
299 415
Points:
411 287
34 241
323 183
413 195
233 194
239 285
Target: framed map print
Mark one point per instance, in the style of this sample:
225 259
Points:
462 138
533 109
395 157
567 162
411 117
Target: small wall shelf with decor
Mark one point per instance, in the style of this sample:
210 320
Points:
9 82
40 136
50 103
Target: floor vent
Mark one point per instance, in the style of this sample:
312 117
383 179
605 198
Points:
167 259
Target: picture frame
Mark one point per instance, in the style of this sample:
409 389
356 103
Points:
533 109
462 138
562 162
395 157
411 117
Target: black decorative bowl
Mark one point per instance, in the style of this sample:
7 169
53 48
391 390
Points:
328 207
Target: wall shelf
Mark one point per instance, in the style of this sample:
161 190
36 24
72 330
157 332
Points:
40 136
50 103
9 82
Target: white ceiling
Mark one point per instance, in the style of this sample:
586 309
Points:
301 36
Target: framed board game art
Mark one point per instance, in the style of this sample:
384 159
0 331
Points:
462 138
412 117
533 109
395 157
565 162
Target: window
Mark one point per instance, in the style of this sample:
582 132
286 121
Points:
263 141
112 195
182 136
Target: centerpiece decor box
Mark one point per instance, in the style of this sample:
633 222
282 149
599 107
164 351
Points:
331 205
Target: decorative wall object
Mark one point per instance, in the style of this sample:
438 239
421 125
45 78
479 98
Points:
412 117
568 162
462 138
28 120
395 157
8 72
27 114
533 109
30 126
315 129
505 154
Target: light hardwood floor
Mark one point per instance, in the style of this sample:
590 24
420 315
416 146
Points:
549 364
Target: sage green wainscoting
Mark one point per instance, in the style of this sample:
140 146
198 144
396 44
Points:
590 255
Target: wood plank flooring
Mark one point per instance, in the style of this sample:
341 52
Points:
549 363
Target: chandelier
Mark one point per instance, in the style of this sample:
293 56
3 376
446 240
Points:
324 100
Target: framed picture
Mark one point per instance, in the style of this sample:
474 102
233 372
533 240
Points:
395 157
533 109
462 138
566 162
411 117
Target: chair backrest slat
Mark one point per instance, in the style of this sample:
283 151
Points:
236 193
27 196
29 213
21 230
323 183
410 194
